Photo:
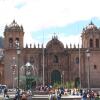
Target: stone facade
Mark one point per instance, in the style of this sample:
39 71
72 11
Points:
61 63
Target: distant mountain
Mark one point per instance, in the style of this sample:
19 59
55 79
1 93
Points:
1 42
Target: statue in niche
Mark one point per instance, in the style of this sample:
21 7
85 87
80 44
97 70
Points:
55 59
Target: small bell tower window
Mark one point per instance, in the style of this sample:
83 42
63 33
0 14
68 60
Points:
10 42
91 43
97 43
17 41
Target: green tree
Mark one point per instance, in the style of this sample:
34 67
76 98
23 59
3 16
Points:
69 84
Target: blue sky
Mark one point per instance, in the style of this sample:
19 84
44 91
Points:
67 30
66 18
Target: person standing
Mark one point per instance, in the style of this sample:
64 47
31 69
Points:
84 97
5 92
92 97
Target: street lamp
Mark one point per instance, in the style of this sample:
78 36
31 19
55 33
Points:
61 79
13 67
63 76
88 57
13 73
43 68
18 55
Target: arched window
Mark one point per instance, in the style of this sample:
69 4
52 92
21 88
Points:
10 42
97 43
77 60
17 42
91 43
55 60
17 39
95 67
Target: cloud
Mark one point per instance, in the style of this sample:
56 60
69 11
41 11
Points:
35 15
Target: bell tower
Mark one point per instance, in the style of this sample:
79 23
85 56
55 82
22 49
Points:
13 33
91 36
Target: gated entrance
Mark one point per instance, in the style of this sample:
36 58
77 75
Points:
55 77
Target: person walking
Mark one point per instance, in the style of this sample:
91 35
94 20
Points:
24 96
92 97
84 97
59 97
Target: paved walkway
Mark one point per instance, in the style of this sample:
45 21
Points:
42 96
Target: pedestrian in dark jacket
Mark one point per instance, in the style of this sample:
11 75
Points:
5 92
84 96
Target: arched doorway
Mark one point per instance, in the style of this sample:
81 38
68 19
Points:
77 82
55 77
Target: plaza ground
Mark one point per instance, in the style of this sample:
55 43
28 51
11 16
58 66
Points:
44 97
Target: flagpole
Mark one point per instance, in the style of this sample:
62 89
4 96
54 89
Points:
43 59
79 61
79 68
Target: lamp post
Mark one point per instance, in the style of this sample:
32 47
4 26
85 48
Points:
63 76
13 67
88 58
79 69
43 77
18 55
13 73
61 79
43 68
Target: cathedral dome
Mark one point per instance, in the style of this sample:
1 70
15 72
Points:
13 24
13 27
55 44
91 26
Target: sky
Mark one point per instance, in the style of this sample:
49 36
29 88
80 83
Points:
42 18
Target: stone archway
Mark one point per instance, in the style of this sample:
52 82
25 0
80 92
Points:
77 82
55 77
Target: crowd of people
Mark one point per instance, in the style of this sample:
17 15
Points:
85 94
92 95
56 93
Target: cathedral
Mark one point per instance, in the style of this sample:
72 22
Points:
53 63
